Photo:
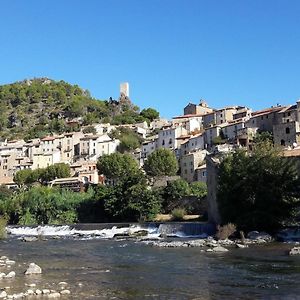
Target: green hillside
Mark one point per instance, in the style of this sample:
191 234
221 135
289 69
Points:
41 106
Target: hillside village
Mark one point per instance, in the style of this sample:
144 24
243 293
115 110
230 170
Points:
200 131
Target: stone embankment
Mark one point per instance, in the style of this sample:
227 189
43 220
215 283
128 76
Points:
31 290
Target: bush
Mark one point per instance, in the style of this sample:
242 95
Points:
178 214
3 223
224 232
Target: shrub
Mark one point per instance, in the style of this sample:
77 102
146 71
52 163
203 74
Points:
178 214
224 232
3 223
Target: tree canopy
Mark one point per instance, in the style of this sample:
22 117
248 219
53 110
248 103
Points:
258 191
162 162
117 166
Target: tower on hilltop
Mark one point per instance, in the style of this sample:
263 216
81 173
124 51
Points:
124 90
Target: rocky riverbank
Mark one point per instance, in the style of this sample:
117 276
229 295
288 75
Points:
31 290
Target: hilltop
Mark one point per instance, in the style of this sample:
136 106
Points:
40 106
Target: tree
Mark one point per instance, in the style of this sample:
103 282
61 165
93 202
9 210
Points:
162 162
258 191
117 166
59 170
150 114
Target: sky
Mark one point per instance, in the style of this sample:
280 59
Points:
228 52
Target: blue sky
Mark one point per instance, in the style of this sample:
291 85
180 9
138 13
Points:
242 52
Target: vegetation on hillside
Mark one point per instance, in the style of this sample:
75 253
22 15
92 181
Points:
37 107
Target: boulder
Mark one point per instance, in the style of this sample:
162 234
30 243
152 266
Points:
3 295
139 233
33 269
219 249
38 292
45 291
10 262
30 239
255 235
65 292
241 246
295 251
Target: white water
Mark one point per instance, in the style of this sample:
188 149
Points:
106 233
48 230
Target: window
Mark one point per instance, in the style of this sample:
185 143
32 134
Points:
287 130
191 163
288 120
289 113
267 117
262 117
204 173
163 142
192 170
185 171
170 141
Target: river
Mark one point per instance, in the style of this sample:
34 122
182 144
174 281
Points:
97 268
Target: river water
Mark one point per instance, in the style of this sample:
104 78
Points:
97 268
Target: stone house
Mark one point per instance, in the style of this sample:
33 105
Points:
189 163
194 109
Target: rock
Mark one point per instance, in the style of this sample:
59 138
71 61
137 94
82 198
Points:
255 235
31 285
65 292
10 262
3 295
30 239
62 283
241 246
11 274
209 250
139 233
2 275
54 295
3 257
30 292
19 296
38 292
219 249
120 235
33 269
295 251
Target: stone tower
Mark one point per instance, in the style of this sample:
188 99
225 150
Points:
124 90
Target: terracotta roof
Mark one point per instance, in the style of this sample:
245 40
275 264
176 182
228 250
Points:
266 111
188 116
48 138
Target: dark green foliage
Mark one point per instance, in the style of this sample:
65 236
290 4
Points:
89 129
150 114
198 189
44 205
117 166
162 162
258 191
264 136
28 176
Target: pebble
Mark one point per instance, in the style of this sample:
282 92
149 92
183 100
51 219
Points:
30 292
31 285
65 292
38 292
54 295
11 274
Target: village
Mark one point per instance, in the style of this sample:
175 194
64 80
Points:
193 137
